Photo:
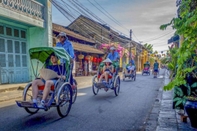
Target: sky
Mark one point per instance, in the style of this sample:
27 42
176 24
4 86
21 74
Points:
144 17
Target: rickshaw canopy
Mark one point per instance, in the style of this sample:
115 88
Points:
43 53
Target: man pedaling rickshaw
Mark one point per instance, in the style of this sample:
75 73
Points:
48 83
110 65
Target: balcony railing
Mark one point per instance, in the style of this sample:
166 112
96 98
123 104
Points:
29 8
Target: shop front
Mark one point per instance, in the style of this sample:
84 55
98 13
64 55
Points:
87 59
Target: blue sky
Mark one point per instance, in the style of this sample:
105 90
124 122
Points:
142 16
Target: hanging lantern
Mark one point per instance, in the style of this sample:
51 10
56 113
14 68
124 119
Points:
87 57
101 60
97 60
91 58
94 59
81 56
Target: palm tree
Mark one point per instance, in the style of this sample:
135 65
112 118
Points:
149 47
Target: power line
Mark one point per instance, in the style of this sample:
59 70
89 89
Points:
158 37
95 16
92 20
107 14
149 39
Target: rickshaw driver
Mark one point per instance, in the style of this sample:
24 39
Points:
47 83
67 45
113 55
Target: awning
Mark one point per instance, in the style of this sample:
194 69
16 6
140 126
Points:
86 48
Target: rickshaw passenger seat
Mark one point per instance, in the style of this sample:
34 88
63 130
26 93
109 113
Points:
42 87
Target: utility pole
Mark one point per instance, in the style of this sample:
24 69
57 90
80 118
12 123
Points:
130 43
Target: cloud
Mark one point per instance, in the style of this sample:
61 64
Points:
144 17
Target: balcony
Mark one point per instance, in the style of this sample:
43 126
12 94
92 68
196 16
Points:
26 11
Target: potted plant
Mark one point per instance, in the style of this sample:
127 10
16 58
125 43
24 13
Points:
191 109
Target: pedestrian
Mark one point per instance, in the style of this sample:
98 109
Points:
156 68
67 45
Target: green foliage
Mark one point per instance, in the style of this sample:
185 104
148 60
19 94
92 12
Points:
149 47
186 26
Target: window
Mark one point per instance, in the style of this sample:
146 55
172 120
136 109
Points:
9 46
17 46
23 34
3 61
23 44
18 60
2 45
8 31
1 29
24 60
10 61
16 33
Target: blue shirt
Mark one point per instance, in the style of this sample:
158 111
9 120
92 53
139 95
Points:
132 62
113 57
59 70
68 47
156 65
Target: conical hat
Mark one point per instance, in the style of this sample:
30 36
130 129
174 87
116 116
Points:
47 74
107 60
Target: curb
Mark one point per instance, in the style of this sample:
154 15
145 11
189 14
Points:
151 123
12 88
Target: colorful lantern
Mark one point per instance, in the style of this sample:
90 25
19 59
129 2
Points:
81 56
94 59
87 57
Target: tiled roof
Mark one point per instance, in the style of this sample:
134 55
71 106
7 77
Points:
59 28
86 48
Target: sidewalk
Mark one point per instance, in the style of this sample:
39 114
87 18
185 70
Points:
162 116
14 91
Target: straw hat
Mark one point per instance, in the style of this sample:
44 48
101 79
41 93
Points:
112 48
62 34
47 74
107 60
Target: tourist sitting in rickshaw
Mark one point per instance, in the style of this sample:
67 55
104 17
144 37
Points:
108 70
146 66
48 83
130 68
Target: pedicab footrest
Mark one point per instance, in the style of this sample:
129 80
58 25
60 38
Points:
100 85
26 104
128 75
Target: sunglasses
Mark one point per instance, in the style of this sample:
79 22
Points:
61 37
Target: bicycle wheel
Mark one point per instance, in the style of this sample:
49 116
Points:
94 88
27 96
64 100
74 91
117 85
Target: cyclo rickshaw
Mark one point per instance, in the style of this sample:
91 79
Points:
62 95
146 69
114 80
131 76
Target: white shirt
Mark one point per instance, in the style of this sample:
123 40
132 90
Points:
131 67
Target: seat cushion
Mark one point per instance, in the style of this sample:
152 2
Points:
109 76
42 87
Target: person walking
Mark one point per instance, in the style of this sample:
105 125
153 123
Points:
156 68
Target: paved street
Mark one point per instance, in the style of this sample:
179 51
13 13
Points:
104 112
